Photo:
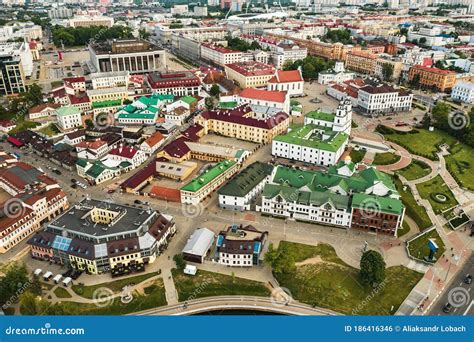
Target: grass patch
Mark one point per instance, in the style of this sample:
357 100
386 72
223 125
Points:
460 164
62 293
56 84
416 170
386 158
357 156
335 285
208 284
116 286
23 125
436 186
419 249
413 209
404 230
154 298
459 221
50 130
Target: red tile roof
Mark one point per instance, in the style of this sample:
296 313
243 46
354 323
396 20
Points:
93 145
434 70
282 76
265 95
41 107
154 139
124 151
252 68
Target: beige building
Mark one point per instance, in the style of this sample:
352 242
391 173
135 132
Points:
250 74
362 62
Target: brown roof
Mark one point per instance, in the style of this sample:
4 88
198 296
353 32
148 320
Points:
41 107
154 139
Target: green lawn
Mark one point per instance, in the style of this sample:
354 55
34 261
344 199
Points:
116 286
419 247
357 156
23 125
428 190
62 293
386 158
208 284
413 209
416 170
458 221
154 298
332 284
460 164
403 230
421 141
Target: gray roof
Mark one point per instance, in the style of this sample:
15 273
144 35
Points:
200 242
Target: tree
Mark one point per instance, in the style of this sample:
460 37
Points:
215 90
34 95
28 304
89 123
415 81
372 268
14 282
387 71
280 259
209 102
422 41
426 121
179 261
142 33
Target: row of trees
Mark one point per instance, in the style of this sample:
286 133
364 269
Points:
71 36
22 102
372 265
311 66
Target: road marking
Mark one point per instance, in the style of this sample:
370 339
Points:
468 308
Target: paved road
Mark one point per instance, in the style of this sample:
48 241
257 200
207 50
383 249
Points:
275 305
458 293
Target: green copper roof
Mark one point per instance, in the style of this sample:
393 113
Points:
188 99
316 115
312 136
242 183
377 203
81 162
136 116
209 175
227 105
67 110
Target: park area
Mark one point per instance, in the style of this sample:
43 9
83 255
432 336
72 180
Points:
321 278
387 158
209 284
422 142
436 191
416 170
419 249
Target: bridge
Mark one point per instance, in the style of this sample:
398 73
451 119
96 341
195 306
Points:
264 304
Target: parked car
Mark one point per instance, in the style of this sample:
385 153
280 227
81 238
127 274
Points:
468 279
137 201
447 308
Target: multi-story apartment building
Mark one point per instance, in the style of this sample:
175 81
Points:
362 62
239 192
179 83
204 184
442 80
88 21
219 54
98 96
12 77
36 199
264 102
384 60
242 123
321 141
463 92
103 80
133 55
250 74
100 237
383 98
240 246
340 197
200 34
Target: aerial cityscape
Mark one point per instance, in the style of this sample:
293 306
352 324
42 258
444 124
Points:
237 157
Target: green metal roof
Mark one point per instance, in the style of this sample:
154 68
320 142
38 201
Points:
188 99
321 116
209 175
107 103
227 105
136 116
67 110
312 136
377 203
242 183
